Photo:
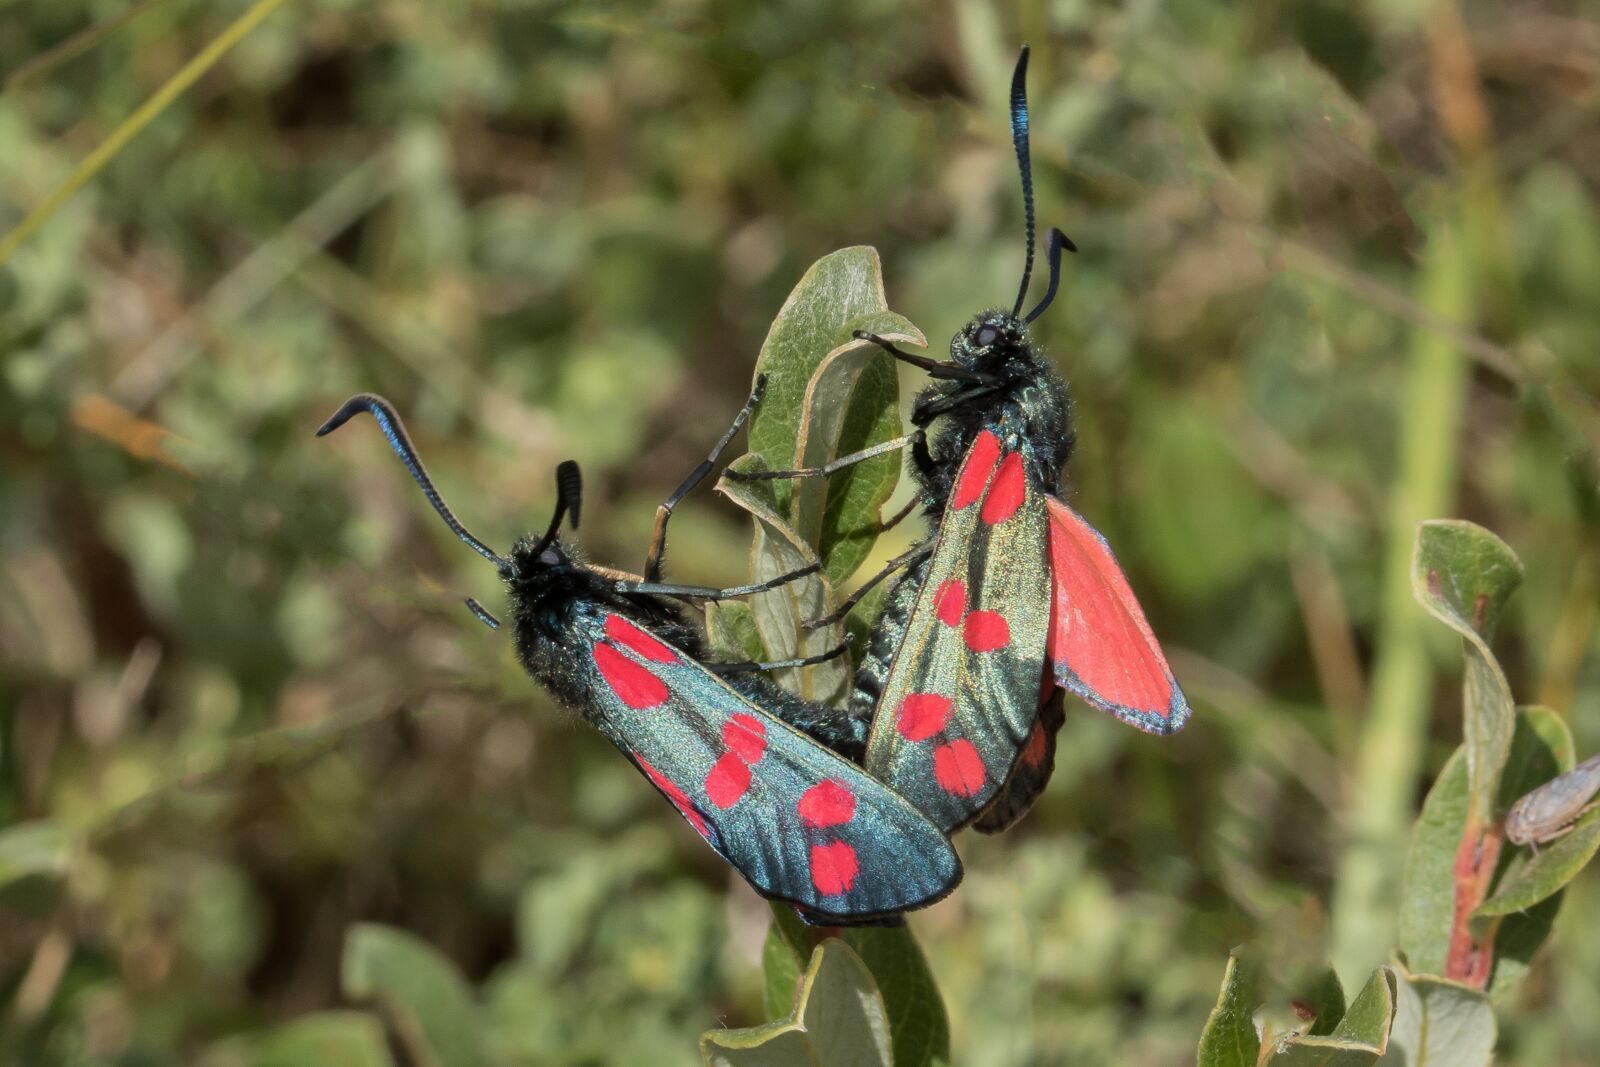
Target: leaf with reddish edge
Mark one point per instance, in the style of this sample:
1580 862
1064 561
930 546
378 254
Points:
1463 575
1428 916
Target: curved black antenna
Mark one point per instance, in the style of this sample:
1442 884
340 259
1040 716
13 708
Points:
569 497
388 421
1058 241
1019 139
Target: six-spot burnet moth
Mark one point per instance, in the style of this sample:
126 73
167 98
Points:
1013 596
798 821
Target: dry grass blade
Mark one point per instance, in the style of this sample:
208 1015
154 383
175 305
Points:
135 123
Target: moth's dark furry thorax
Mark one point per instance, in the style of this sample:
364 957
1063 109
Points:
1029 409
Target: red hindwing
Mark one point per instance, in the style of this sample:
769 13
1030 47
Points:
1101 647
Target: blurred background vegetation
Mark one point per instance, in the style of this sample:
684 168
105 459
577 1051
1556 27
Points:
1338 273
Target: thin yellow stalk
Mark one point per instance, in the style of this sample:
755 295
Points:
130 128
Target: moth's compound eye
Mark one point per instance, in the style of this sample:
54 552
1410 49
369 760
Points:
987 336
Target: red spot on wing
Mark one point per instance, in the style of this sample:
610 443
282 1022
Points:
833 868
1033 748
958 768
633 683
950 602
975 471
826 804
1007 493
986 631
1097 629
679 799
728 780
922 715
643 645
746 736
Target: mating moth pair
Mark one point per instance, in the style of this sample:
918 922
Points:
1011 599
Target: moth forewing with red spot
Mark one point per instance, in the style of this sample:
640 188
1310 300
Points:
800 823
962 692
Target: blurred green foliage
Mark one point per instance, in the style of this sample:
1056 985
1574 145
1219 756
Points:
238 681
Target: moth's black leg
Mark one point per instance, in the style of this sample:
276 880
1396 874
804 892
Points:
922 459
808 661
832 466
483 614
934 368
658 540
922 414
706 592
904 559
899 516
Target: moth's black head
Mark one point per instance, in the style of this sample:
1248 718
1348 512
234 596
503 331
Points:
543 581
990 343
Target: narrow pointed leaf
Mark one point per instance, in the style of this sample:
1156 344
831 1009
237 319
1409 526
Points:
1327 1000
1356 1041
1230 1038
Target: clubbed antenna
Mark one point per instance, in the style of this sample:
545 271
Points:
569 497
394 430
1019 139
1058 241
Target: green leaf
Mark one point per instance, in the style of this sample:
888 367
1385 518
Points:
780 613
1327 1000
1439 1023
731 629
1463 575
1230 1038
1427 907
322 1039
1531 879
827 394
851 403
917 1019
840 292
38 847
1428 892
838 1019
424 996
1541 748
782 962
1358 1039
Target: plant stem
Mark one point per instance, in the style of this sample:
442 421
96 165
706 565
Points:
1391 744
134 124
